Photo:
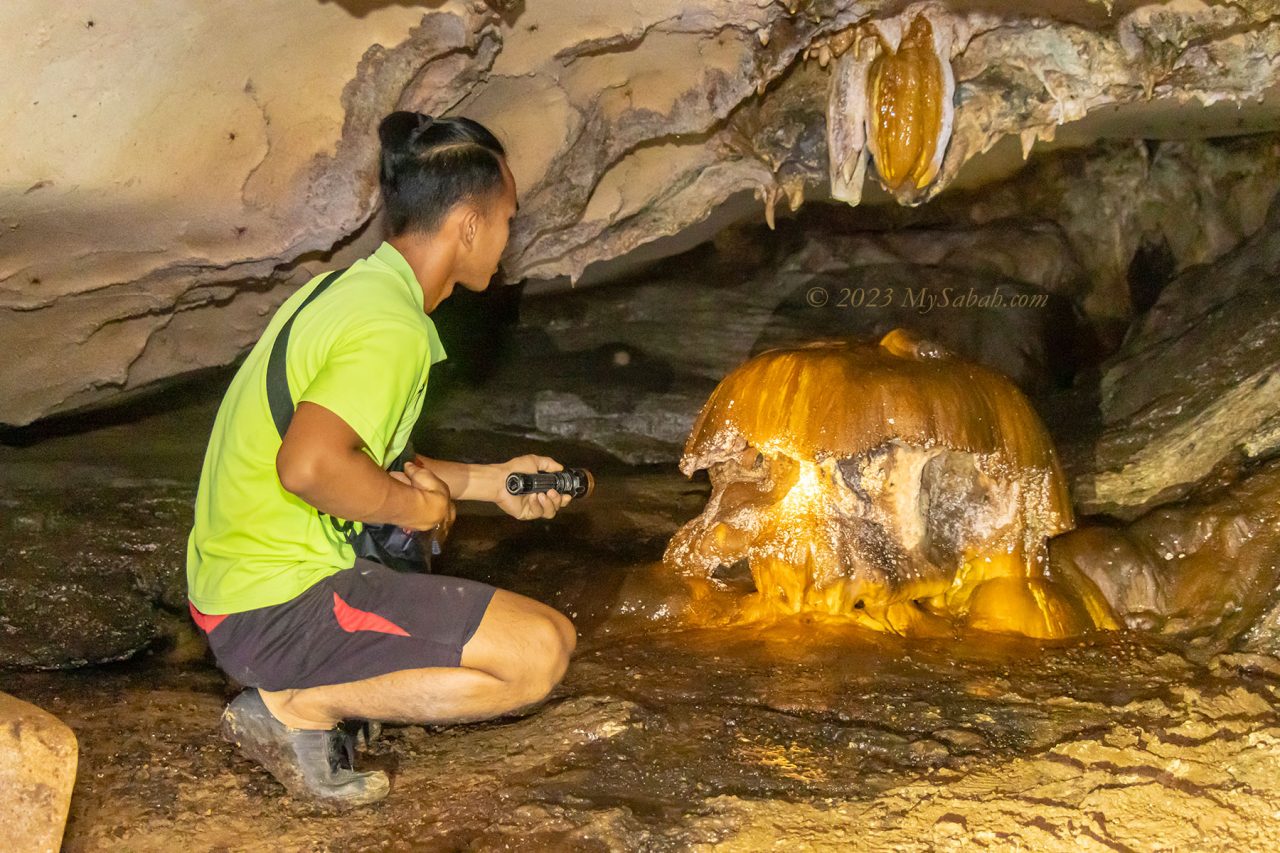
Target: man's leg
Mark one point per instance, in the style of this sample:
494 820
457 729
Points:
517 655
401 647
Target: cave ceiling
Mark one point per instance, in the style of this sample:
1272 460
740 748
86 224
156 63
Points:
172 173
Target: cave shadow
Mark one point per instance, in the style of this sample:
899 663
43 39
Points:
508 10
867 302
196 394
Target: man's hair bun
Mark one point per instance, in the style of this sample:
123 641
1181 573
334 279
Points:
424 123
429 164
398 131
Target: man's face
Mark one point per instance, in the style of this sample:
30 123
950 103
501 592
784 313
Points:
493 227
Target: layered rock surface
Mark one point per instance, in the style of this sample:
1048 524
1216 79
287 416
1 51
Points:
159 201
1195 387
735 740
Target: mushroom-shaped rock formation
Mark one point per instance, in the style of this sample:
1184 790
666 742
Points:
892 483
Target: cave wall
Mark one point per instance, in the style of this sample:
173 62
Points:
174 172
170 170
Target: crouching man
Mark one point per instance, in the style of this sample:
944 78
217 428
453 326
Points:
316 635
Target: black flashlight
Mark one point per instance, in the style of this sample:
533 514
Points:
574 482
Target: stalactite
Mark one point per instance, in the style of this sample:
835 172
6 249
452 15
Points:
910 92
891 98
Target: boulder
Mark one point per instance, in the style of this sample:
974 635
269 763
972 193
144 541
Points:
38 757
1207 567
94 574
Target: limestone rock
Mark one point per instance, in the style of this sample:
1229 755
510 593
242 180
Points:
150 217
54 623
1184 202
1207 567
1192 783
38 757
93 575
1195 386
153 221
642 435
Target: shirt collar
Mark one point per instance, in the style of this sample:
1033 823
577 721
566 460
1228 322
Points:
391 257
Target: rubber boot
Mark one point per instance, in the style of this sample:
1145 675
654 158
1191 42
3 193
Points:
312 764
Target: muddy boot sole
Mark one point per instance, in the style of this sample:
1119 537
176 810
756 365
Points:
260 739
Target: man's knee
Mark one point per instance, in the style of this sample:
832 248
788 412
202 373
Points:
523 642
552 639
567 632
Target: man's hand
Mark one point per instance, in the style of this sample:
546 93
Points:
531 506
432 489
323 461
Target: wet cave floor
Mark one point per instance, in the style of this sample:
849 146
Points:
804 735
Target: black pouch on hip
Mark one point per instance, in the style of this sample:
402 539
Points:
388 544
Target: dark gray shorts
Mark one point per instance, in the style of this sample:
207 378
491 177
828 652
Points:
359 623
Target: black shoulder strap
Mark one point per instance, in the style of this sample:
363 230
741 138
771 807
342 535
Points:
278 396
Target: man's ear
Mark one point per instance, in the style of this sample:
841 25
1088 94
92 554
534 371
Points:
469 227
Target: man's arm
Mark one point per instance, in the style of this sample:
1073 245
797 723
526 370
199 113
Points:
488 483
322 461
466 481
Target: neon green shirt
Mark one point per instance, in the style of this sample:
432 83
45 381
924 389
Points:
362 350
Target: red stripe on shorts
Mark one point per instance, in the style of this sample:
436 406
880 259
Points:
350 619
206 622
